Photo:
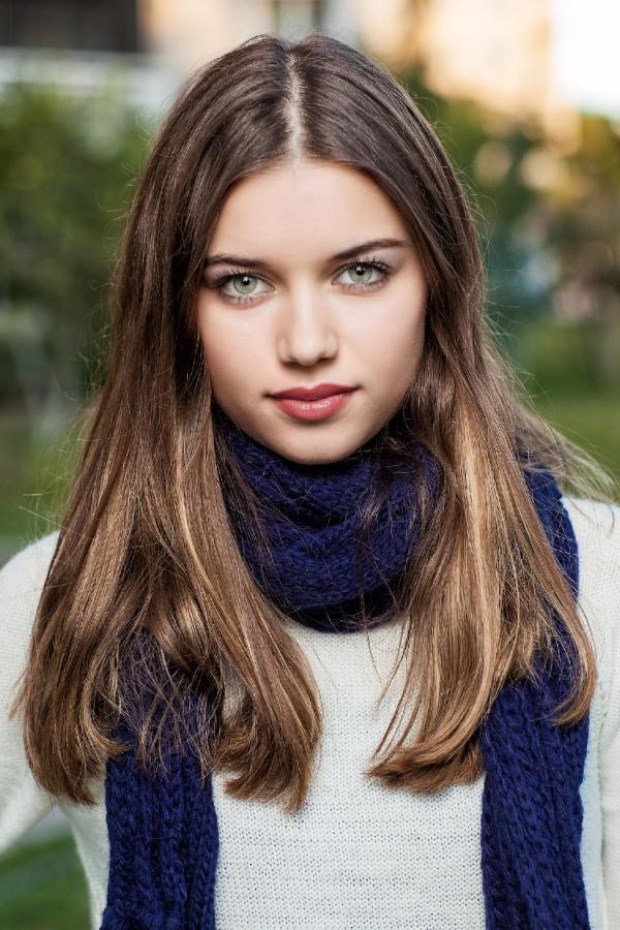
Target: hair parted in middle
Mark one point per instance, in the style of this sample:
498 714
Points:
146 545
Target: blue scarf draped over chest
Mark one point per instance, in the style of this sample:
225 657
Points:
163 830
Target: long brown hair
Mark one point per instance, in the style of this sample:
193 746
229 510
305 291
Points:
146 554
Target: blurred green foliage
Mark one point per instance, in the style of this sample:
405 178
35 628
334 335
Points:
549 218
571 373
36 470
67 165
42 887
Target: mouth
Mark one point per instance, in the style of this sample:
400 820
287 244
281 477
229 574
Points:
319 409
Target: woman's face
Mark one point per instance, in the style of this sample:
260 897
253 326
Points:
282 307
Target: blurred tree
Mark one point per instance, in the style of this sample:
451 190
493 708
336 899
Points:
488 152
66 165
549 223
585 222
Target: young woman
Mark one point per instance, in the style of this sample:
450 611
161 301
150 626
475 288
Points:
320 643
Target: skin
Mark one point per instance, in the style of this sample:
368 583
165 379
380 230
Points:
309 319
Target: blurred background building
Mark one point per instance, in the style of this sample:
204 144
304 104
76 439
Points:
110 26
505 55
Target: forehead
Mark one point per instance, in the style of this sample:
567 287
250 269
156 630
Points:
310 205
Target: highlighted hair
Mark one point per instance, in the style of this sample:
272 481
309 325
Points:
146 555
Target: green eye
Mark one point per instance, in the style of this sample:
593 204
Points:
247 284
360 273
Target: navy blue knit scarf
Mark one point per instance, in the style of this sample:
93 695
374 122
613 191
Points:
163 831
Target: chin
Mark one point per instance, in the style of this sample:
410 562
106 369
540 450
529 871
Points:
312 452
317 459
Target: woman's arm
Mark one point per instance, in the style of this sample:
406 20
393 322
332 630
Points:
22 801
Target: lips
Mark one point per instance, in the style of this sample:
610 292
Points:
313 393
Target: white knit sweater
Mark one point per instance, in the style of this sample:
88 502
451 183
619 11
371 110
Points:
358 856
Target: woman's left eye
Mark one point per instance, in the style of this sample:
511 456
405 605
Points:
361 274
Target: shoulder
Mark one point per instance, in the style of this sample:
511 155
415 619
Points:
597 528
26 571
21 583
22 801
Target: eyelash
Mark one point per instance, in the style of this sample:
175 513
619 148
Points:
219 283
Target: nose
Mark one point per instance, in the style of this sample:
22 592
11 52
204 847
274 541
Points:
307 332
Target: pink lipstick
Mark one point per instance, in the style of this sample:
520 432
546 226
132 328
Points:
313 403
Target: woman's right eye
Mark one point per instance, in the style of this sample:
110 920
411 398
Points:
239 288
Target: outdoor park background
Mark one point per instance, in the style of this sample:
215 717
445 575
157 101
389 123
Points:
543 175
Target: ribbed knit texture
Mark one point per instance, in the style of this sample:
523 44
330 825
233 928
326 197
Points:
318 559
163 831
531 807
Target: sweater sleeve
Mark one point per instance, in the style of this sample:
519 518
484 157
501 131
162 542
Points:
22 801
610 731
598 533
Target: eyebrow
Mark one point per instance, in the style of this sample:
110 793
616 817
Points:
220 259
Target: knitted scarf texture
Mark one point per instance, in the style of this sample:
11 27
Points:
163 831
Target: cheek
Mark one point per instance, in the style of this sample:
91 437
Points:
396 342
226 349
235 367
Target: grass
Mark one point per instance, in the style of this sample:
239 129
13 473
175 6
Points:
42 887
